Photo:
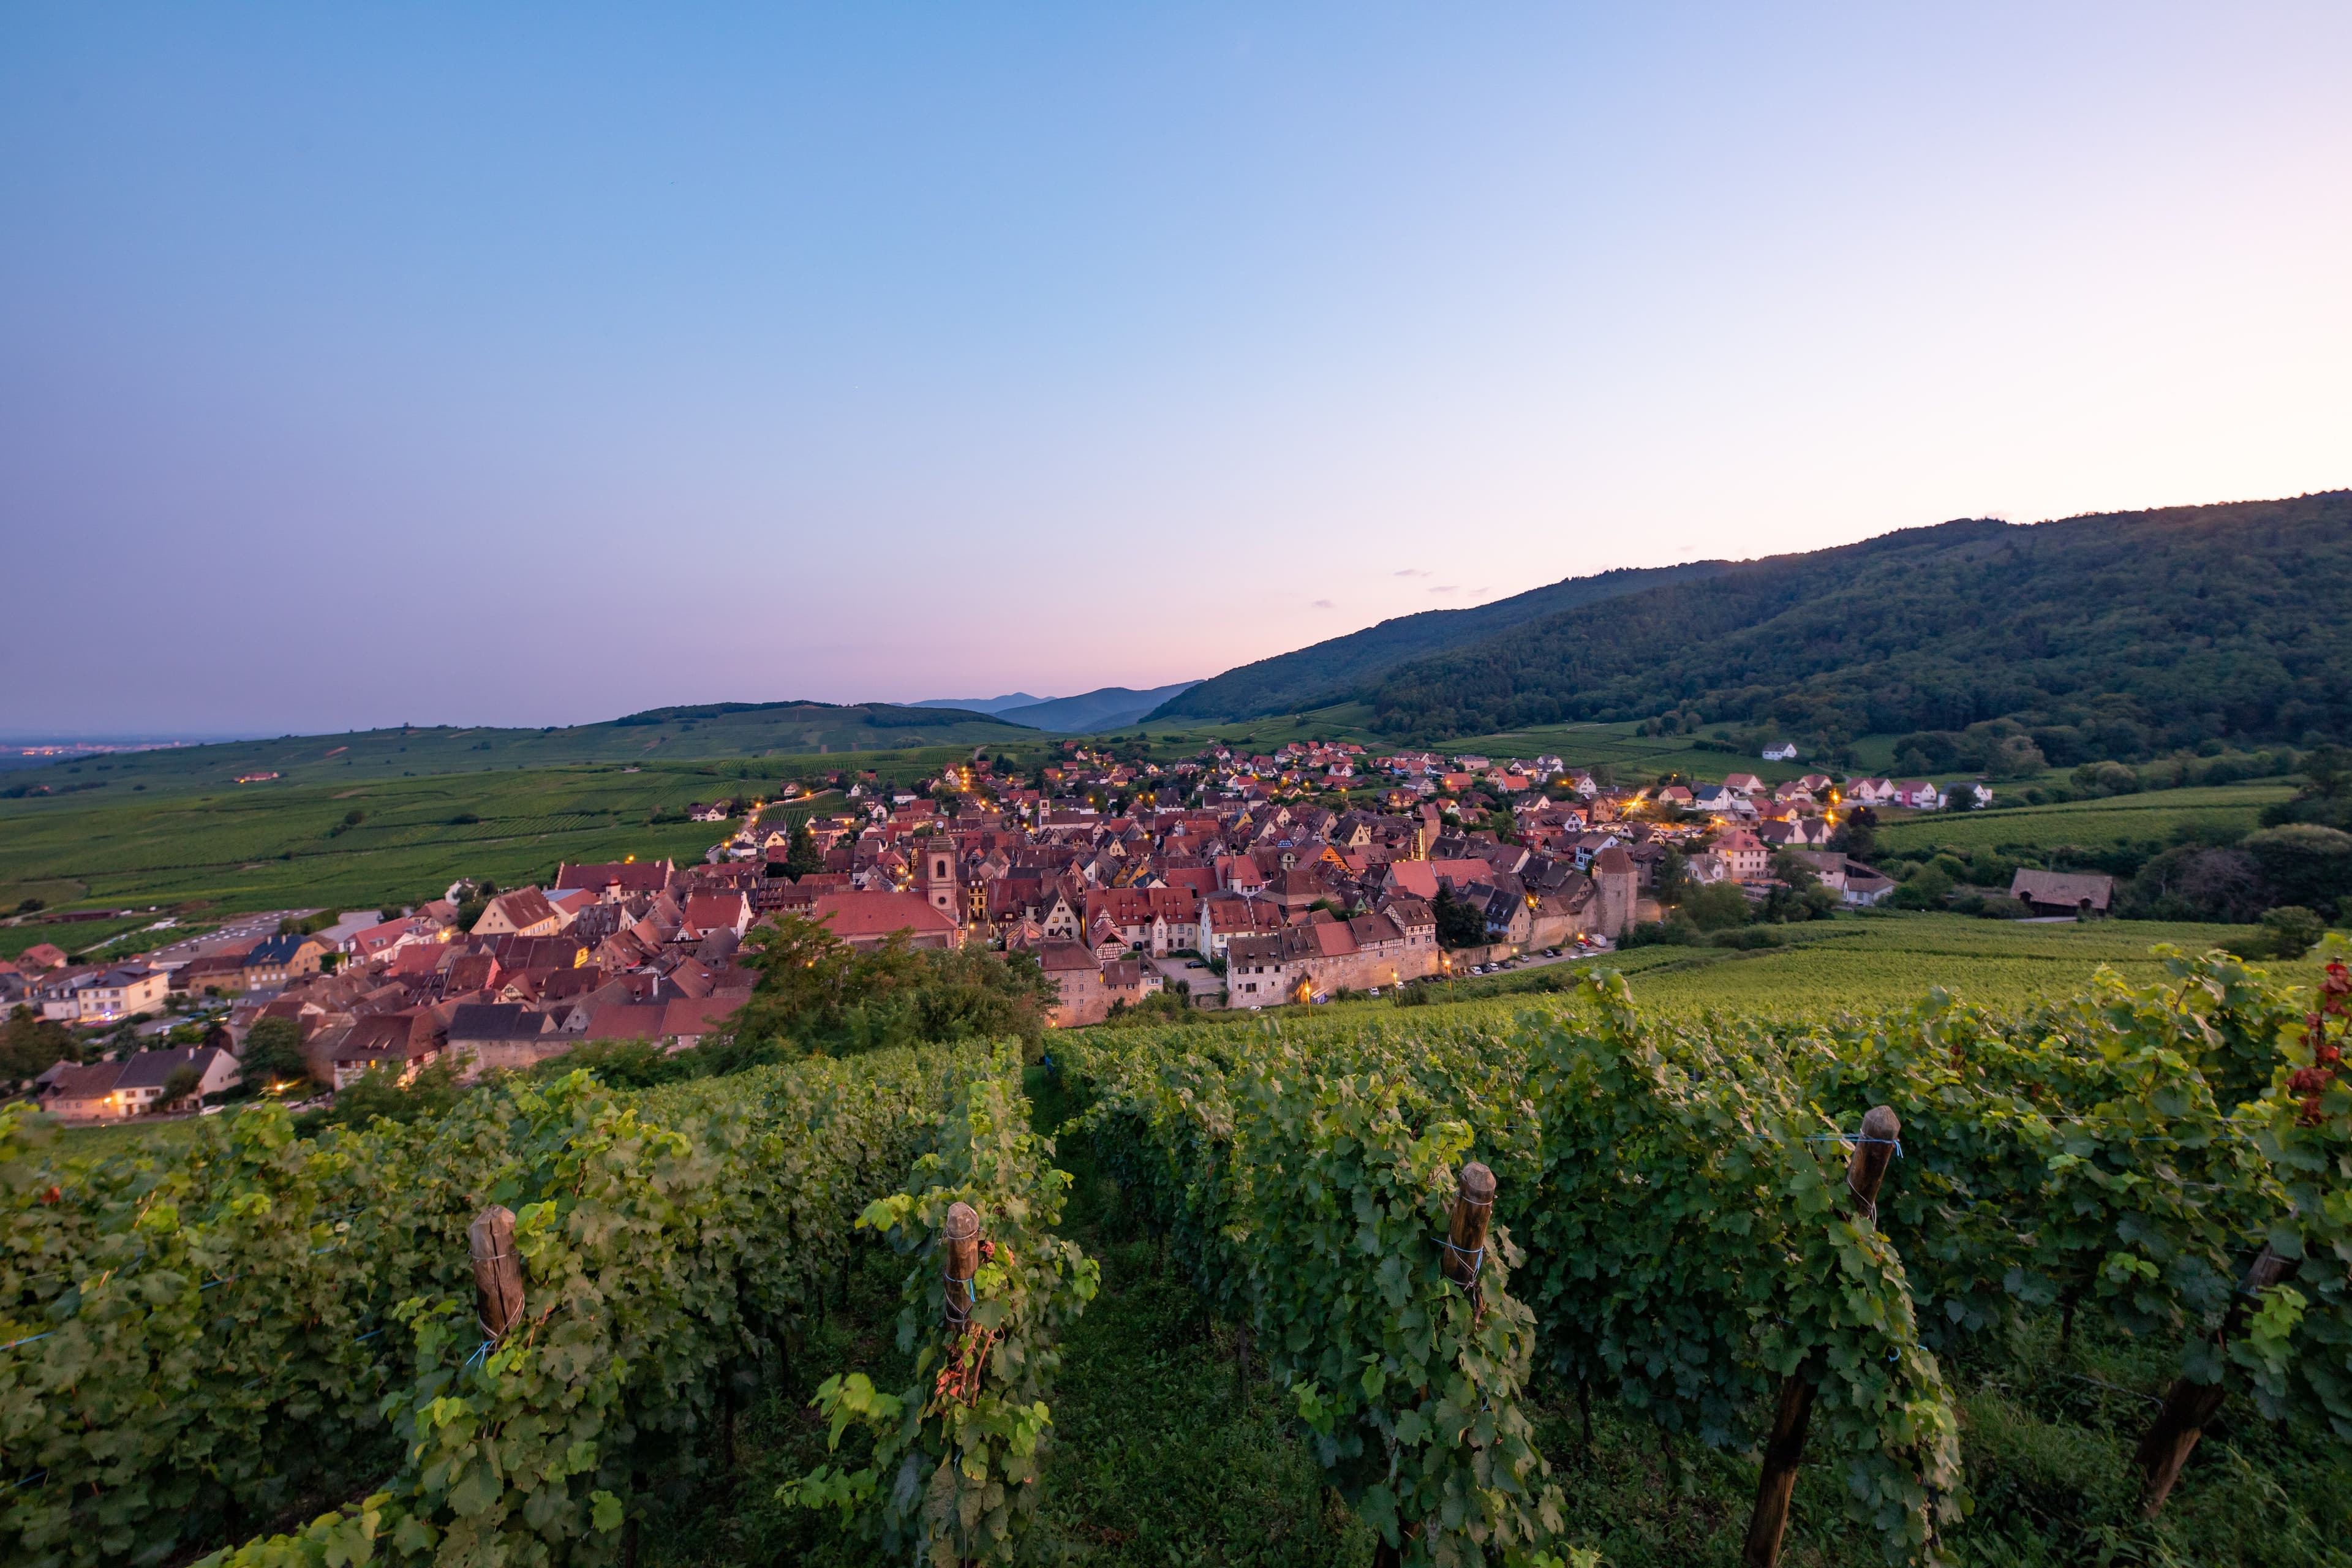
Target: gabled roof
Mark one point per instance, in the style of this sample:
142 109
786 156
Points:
522 908
2061 888
854 915
496 1021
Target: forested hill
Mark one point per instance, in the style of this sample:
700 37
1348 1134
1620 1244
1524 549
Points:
1326 670
2148 630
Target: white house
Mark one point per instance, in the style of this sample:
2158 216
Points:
1780 751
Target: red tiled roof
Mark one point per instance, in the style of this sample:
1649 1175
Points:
855 915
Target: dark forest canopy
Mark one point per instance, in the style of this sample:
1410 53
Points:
1312 676
2106 636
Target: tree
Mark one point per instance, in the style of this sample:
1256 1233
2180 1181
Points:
1857 836
183 1081
1672 877
382 1094
30 1044
818 994
1460 923
2304 863
802 857
1926 887
273 1054
1717 906
2293 930
2016 757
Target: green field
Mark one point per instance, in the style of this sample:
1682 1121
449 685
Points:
1866 963
287 844
107 938
2139 818
1881 961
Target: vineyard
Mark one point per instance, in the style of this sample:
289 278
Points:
1445 1285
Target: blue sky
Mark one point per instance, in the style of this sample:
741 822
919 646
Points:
534 365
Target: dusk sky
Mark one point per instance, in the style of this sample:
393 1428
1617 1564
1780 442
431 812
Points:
502 364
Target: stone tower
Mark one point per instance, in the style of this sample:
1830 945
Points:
1615 887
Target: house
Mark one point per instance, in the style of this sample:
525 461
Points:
391 1042
688 1021
1780 751
276 960
41 955
614 880
1223 918
486 1036
1300 963
1748 857
1795 833
1744 783
1918 794
1870 792
525 913
135 1085
125 991
365 946
2079 894
1865 886
867 920
1087 988
83 1093
709 913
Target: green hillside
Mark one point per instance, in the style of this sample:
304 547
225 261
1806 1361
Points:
1314 675
731 729
2107 636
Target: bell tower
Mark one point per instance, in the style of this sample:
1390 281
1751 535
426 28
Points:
939 878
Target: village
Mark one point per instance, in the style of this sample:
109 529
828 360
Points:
1230 881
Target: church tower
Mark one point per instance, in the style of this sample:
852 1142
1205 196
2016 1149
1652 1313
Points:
939 878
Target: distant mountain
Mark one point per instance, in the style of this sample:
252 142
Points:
1329 671
988 705
2103 636
1111 707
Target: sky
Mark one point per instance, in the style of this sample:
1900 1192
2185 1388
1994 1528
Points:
536 364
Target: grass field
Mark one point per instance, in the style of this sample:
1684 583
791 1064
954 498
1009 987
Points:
2137 819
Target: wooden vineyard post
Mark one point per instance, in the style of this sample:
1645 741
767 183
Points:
1865 1168
1465 1252
2188 1406
497 1271
958 1261
1473 1209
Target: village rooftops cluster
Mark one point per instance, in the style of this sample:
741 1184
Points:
1100 867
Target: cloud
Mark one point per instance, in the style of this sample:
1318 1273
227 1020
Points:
1324 605
1414 572
1445 588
